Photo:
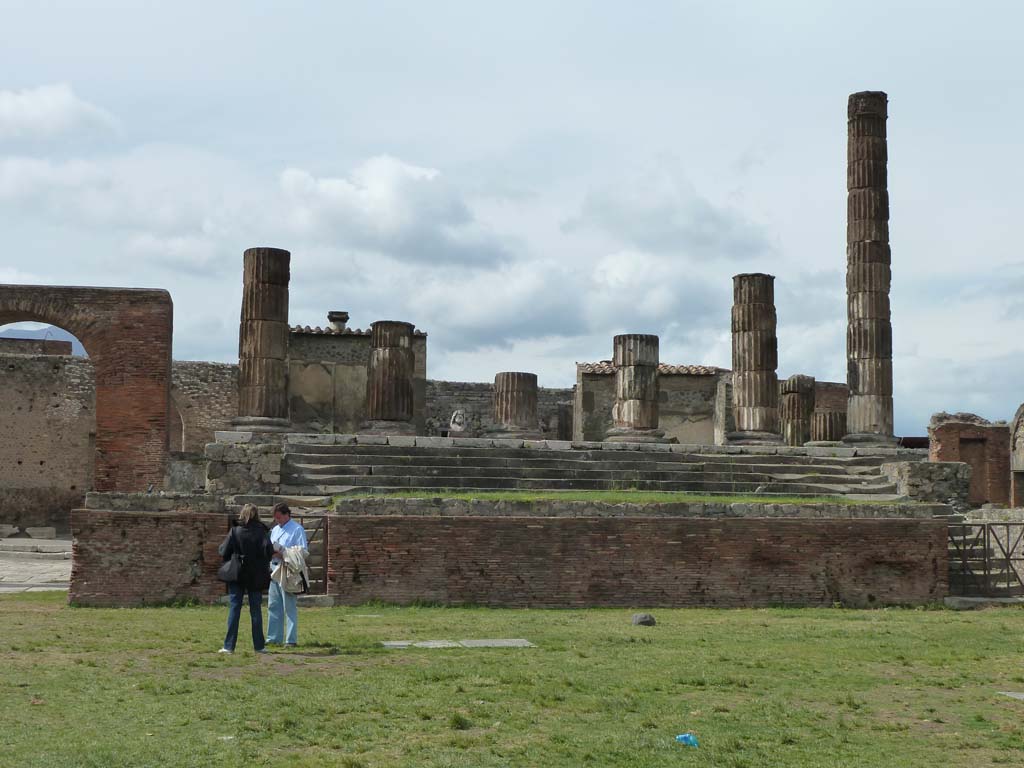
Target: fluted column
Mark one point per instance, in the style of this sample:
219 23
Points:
868 273
796 404
635 412
827 427
755 357
389 388
263 341
515 405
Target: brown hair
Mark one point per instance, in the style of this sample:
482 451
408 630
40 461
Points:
249 512
282 508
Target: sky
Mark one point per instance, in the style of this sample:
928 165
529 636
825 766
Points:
525 180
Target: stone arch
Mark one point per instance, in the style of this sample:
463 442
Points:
1017 458
127 335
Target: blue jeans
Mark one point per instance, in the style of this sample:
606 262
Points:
235 594
281 602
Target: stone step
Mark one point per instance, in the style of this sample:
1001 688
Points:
337 464
583 455
504 483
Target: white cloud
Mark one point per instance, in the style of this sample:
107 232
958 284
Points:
389 206
49 111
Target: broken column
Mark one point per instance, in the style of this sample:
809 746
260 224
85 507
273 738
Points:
263 341
755 358
828 427
515 405
389 388
796 405
635 412
868 274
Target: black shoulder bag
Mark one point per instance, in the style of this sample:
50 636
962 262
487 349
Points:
232 569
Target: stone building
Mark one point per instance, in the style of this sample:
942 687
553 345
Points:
982 444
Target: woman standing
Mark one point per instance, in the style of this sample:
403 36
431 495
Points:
251 540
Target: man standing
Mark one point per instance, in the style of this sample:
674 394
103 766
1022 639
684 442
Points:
287 533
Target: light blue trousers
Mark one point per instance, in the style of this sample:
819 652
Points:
280 606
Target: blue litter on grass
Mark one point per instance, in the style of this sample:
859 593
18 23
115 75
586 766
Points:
687 739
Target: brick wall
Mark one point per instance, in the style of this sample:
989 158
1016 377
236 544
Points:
129 559
982 445
127 335
477 400
565 562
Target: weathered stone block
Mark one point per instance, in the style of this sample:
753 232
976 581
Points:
434 442
402 441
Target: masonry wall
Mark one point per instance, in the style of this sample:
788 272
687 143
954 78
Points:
129 559
327 380
205 397
568 563
48 423
686 406
12 346
443 398
985 447
145 558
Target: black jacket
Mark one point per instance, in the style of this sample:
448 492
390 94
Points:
256 549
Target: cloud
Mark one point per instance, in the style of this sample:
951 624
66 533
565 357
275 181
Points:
49 111
388 206
658 209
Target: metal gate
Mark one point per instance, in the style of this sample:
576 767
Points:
986 559
316 537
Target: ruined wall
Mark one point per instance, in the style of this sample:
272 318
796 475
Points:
327 379
569 563
984 445
48 423
205 396
686 405
477 400
128 558
134 559
9 346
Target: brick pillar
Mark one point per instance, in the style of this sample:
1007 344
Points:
796 404
635 412
515 405
827 427
755 356
263 341
389 388
868 274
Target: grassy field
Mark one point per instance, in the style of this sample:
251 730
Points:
607 497
780 687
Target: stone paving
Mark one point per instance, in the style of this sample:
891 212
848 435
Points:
25 570
499 643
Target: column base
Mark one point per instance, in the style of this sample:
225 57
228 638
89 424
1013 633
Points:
824 444
868 438
260 424
753 438
627 435
385 427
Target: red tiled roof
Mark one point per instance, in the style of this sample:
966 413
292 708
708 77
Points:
605 367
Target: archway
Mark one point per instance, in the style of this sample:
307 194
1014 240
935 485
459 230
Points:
127 334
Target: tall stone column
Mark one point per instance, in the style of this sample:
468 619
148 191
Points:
263 341
755 357
868 273
635 412
796 404
515 405
389 387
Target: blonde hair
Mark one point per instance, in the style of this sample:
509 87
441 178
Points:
249 512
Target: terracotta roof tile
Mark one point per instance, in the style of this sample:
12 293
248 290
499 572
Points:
605 367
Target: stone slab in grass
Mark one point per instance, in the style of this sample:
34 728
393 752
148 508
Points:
487 643
1012 695
517 642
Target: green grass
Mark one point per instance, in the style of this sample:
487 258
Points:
779 687
625 496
